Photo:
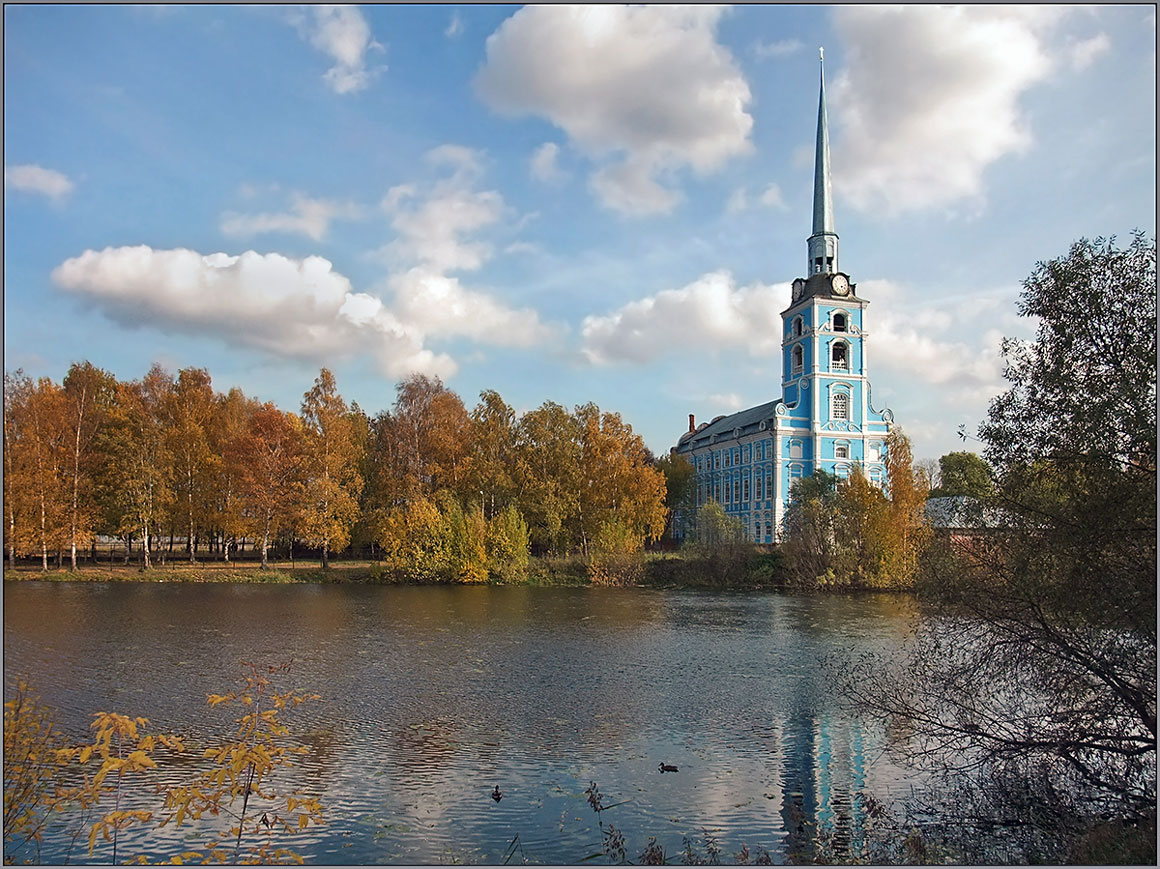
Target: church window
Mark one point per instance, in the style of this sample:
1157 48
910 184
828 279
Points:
729 492
745 490
841 406
768 531
840 357
840 323
716 459
797 359
875 452
728 458
843 471
769 485
795 449
797 327
876 477
841 450
761 451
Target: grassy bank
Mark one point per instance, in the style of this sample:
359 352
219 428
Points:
660 570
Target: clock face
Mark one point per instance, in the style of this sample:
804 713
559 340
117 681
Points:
840 285
797 289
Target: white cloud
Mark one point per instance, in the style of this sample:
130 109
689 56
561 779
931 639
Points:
431 230
1084 52
937 345
772 197
780 48
342 33
711 313
31 178
309 217
455 27
436 232
643 91
282 306
929 99
440 305
544 164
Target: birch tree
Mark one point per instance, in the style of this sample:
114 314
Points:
333 479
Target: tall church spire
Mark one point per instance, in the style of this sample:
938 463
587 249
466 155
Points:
823 244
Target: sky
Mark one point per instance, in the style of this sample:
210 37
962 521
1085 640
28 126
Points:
564 204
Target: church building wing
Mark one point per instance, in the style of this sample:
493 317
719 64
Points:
748 461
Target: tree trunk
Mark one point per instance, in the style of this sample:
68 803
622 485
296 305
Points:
12 536
76 482
145 546
266 543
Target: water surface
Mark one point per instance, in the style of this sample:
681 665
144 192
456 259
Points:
434 695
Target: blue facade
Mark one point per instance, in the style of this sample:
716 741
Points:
825 419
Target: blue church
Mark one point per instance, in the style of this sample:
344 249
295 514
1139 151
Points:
825 419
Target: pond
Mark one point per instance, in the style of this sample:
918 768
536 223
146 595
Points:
432 696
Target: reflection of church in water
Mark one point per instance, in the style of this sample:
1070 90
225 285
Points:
824 771
748 461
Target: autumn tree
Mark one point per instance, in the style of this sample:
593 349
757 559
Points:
137 471
38 460
332 462
229 425
17 470
617 478
270 461
87 394
189 410
548 456
491 458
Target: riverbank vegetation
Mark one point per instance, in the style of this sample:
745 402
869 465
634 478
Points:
1032 697
129 776
435 491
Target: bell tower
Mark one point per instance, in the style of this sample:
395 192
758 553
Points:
827 420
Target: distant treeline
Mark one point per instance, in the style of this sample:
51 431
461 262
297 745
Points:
446 492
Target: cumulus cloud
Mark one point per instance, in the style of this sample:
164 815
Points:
286 307
342 33
31 178
929 99
455 28
937 346
308 216
544 164
437 233
643 91
709 314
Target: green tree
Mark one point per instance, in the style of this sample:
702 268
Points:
718 540
809 544
333 457
548 456
680 486
963 473
1034 690
508 544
